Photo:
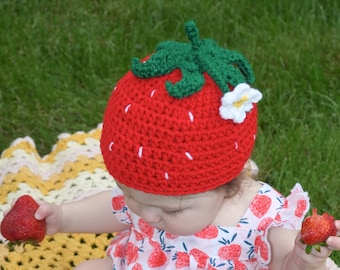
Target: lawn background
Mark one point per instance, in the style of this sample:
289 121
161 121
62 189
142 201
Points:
59 61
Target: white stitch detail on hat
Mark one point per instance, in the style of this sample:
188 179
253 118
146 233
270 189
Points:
140 152
236 145
110 145
254 136
166 175
114 89
189 156
127 108
191 116
153 92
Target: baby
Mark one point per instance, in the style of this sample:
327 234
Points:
178 133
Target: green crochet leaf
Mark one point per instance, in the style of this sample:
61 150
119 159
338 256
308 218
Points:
225 67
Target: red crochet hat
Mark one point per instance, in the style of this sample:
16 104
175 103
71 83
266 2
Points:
183 121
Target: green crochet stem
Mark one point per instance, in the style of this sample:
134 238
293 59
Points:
225 67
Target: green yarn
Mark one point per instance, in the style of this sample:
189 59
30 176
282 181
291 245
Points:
225 67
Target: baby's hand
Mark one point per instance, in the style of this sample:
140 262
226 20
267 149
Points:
317 258
333 242
53 215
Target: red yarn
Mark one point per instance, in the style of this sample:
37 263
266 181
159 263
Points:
159 144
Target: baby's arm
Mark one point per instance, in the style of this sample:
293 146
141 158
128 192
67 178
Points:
90 215
289 253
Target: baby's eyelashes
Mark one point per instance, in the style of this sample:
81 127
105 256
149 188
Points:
173 212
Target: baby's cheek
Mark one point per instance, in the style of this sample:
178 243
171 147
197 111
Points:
133 207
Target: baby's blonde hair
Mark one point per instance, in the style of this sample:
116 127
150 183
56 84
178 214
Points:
233 187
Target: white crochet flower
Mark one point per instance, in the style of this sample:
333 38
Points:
237 103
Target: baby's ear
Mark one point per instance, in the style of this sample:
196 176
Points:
251 169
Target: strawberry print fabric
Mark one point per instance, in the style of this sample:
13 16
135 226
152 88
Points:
242 247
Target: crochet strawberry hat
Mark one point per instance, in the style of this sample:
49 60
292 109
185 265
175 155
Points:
183 120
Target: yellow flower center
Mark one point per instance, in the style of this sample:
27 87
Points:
240 102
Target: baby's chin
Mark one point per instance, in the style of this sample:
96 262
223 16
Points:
181 231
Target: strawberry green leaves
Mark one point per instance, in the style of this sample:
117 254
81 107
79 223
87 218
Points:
227 68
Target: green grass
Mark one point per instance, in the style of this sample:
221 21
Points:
59 61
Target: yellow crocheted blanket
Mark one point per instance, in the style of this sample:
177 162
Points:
74 169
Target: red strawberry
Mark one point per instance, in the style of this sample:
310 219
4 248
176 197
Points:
137 266
139 236
119 251
131 253
316 229
260 205
265 223
232 251
118 202
170 235
200 257
261 247
183 260
145 228
300 208
157 258
19 224
178 88
239 266
208 232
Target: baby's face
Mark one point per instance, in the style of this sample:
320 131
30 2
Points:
179 215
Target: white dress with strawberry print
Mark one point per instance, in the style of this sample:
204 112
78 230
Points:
242 247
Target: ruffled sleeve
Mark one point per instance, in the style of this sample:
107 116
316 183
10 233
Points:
294 209
119 208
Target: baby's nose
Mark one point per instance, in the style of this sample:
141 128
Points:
151 216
